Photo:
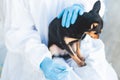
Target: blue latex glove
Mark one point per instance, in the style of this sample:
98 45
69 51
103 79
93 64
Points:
70 14
52 70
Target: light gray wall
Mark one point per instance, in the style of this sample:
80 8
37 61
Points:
110 35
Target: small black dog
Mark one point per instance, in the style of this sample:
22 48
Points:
69 38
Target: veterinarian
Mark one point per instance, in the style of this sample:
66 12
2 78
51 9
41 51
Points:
26 37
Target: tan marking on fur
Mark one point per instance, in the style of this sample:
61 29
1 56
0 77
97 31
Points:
92 34
79 52
55 50
76 58
68 39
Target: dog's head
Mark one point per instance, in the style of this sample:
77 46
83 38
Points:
94 21
89 23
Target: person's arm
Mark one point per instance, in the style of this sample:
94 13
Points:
20 35
22 38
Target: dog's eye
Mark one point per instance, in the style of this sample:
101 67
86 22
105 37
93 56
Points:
95 33
94 25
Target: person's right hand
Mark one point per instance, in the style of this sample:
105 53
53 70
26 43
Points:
69 15
52 70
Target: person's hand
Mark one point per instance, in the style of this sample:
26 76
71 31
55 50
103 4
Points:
70 14
52 70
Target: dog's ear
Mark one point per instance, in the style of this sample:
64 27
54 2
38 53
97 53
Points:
96 7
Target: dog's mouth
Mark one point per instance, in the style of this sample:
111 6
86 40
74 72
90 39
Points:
93 34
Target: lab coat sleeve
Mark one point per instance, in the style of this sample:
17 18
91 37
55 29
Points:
87 4
20 35
97 65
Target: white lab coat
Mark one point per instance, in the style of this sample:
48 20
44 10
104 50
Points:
26 36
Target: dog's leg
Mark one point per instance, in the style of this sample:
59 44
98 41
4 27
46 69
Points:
75 57
78 51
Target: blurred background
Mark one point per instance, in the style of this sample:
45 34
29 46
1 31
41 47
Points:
110 35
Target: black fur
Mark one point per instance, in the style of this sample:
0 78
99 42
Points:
82 24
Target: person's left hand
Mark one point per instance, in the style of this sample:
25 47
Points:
53 70
70 14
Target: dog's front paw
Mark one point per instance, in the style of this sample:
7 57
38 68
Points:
82 63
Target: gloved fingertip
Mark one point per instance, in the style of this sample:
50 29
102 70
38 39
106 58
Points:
73 21
81 13
68 22
75 15
68 25
60 15
63 25
63 22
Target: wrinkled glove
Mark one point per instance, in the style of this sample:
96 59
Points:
52 70
70 14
